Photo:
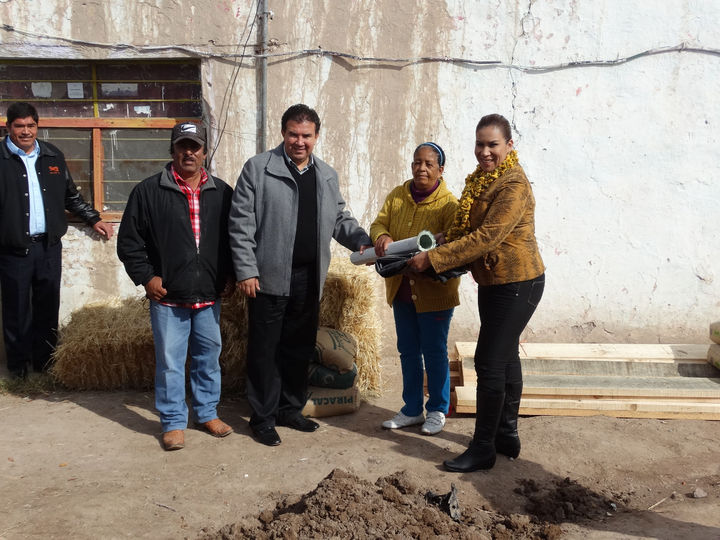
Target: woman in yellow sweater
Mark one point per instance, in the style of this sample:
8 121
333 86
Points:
494 232
422 306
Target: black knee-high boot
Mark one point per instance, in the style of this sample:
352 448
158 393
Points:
507 440
481 452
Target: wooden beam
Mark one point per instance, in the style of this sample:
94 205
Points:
596 351
625 351
97 169
617 367
682 387
463 399
622 409
118 123
454 380
469 377
464 349
577 359
620 380
666 415
111 216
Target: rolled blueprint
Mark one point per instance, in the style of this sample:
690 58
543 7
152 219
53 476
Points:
422 242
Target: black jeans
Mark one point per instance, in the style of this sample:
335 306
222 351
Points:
504 312
30 304
282 331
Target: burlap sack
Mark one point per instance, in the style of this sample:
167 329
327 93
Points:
331 402
329 377
335 349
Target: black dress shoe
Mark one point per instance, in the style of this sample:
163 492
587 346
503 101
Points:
299 423
267 436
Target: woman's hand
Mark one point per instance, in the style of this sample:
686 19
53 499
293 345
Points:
381 244
420 262
440 238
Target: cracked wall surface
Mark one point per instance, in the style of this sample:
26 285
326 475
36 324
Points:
622 154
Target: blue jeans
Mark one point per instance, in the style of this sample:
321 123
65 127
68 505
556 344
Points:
423 337
174 328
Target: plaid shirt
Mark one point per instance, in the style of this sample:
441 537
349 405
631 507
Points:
193 197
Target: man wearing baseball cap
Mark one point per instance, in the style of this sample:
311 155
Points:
173 240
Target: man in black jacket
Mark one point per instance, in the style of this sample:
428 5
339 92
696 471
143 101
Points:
35 190
173 240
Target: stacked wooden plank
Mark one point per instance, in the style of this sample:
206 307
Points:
620 380
714 352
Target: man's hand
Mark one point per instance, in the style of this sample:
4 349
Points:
104 229
420 262
154 289
248 287
440 238
381 244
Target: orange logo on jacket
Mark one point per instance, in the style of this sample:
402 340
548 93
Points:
54 170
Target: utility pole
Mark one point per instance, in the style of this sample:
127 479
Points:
263 15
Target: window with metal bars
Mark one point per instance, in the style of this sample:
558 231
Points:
111 119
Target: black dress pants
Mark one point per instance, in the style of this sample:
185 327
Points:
505 311
282 331
30 304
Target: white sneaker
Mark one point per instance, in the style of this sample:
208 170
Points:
400 421
434 423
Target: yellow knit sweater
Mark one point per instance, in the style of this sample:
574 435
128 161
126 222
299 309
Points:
400 217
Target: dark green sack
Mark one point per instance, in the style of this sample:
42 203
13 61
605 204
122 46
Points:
327 377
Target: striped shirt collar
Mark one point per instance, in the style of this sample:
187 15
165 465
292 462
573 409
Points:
290 162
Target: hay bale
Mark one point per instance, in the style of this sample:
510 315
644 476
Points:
233 329
109 345
349 305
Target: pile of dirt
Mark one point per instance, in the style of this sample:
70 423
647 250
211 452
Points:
566 500
345 506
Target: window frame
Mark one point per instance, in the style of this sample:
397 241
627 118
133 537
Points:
96 125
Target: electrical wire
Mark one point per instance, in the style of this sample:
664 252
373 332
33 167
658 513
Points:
225 105
190 49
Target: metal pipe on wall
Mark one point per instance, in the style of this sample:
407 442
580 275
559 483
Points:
262 77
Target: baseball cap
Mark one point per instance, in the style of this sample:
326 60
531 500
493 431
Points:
188 130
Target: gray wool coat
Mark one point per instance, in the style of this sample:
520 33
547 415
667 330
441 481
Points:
263 217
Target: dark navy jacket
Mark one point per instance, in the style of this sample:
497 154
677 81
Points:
58 191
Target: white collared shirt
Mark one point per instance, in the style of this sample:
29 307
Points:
37 205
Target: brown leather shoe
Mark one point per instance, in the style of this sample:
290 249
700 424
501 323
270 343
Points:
174 439
218 428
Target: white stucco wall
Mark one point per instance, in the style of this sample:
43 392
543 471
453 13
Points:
623 158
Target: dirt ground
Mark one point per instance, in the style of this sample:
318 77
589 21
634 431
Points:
89 465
